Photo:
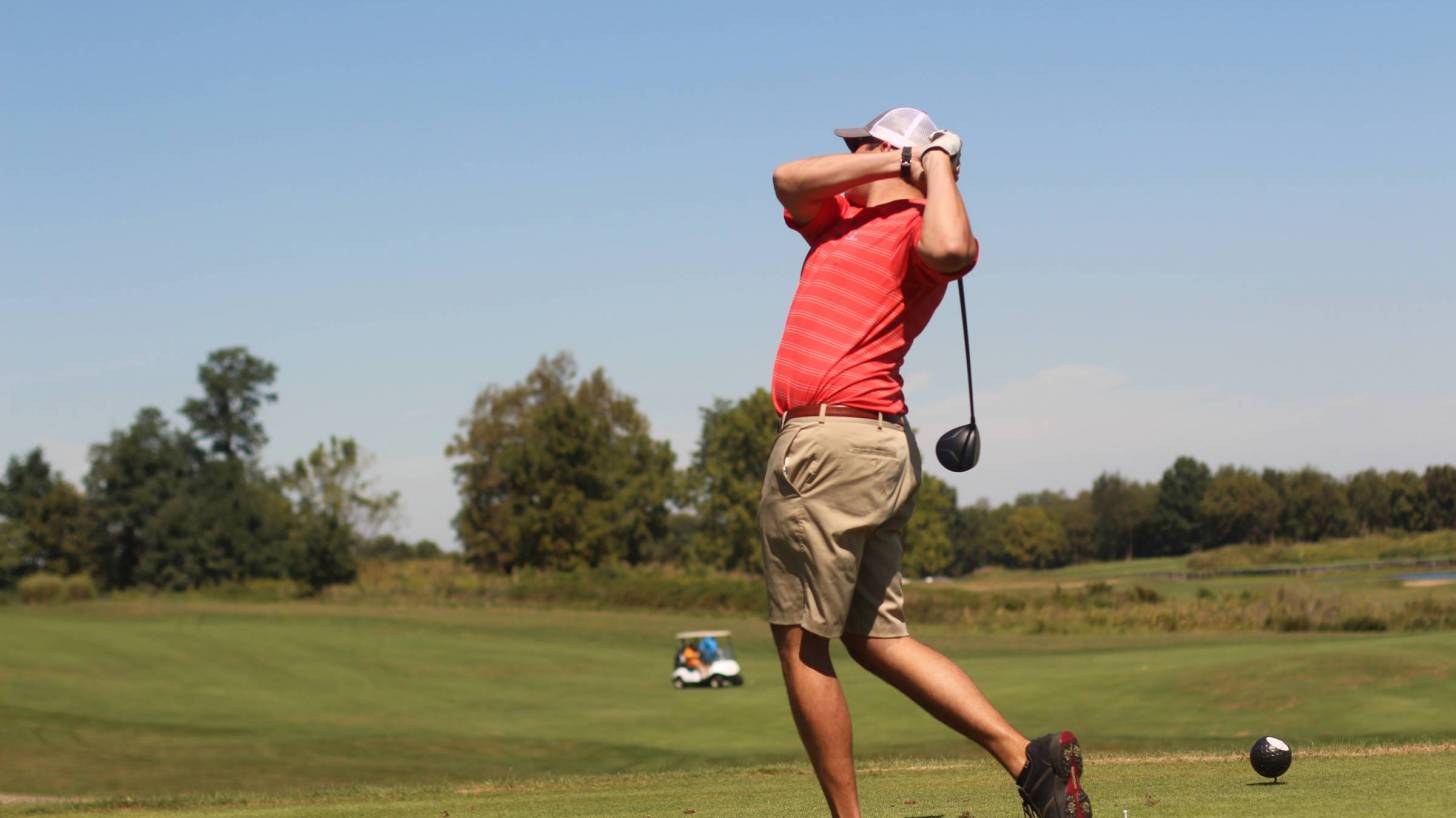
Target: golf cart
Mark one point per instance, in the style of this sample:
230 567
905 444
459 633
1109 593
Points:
705 659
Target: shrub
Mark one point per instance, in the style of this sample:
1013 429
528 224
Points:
40 588
1140 593
323 551
1012 603
79 586
1292 622
1362 622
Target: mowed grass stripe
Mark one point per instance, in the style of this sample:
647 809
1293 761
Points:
156 698
1363 781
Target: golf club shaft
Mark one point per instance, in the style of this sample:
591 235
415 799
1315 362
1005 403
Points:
966 336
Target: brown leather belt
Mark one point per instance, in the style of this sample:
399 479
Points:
837 411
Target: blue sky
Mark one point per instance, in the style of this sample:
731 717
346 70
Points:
1221 230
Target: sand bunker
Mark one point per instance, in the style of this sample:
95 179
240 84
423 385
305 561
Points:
1427 583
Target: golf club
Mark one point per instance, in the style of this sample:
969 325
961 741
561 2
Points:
960 448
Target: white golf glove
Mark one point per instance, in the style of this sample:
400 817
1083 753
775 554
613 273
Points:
944 141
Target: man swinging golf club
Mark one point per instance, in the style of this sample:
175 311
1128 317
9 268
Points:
887 231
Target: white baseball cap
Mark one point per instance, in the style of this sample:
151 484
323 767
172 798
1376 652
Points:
900 127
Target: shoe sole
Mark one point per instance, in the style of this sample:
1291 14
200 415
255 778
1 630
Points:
1069 766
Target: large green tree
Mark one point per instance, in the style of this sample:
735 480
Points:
977 543
1441 495
1369 494
234 389
237 516
1176 517
26 480
930 536
1409 503
178 509
1123 514
1080 524
1073 514
559 472
1031 538
1238 507
1278 482
725 480
132 477
12 552
56 530
46 520
1317 506
226 524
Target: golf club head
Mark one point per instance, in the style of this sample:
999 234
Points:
960 448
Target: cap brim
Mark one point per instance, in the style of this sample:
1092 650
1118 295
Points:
851 133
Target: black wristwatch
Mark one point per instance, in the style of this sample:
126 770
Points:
905 163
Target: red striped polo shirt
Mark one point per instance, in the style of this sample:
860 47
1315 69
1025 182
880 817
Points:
864 295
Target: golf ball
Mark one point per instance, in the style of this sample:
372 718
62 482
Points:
1270 757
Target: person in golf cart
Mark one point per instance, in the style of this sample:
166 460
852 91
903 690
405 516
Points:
690 658
705 659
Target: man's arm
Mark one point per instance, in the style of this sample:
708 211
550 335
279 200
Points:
804 185
946 242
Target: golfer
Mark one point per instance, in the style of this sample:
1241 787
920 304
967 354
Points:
887 231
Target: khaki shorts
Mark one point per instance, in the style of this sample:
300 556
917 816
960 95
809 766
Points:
836 497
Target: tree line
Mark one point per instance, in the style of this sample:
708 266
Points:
560 471
179 506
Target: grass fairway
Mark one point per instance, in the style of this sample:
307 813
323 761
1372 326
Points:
178 700
1343 782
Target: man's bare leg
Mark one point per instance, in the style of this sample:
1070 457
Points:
821 714
944 690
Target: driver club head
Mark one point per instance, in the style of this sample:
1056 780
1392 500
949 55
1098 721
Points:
960 448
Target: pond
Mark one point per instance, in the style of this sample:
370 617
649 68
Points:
1429 575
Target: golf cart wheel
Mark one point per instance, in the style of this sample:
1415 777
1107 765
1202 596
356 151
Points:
715 682
677 683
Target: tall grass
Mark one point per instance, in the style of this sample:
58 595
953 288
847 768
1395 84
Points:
1096 608
41 588
1376 547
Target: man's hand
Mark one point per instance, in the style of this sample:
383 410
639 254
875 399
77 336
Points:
944 141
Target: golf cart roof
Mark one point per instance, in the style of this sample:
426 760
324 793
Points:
701 634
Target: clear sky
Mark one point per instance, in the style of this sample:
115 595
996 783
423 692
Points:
1223 229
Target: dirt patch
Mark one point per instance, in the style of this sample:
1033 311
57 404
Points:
15 798
1030 584
1427 583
